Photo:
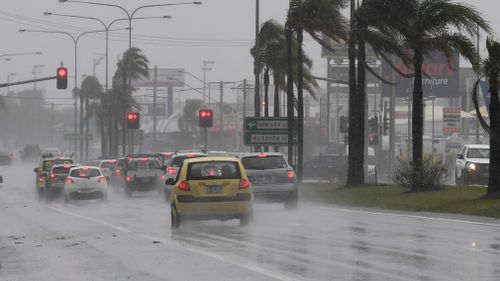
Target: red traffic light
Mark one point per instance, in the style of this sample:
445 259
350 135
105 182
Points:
372 139
205 118
205 114
132 116
62 78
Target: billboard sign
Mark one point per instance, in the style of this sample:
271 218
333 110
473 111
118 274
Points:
451 120
166 77
439 78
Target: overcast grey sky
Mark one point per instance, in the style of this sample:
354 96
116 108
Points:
219 30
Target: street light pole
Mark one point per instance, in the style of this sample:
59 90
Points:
207 65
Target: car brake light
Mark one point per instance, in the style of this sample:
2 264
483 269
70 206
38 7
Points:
167 154
211 173
101 179
41 179
118 172
190 155
244 184
70 181
85 168
183 185
291 174
262 155
128 179
162 177
171 171
52 176
67 166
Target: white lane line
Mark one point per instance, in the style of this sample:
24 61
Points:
407 216
240 263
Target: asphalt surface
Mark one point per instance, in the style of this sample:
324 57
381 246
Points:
131 239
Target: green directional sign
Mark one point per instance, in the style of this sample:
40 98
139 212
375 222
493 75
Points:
268 131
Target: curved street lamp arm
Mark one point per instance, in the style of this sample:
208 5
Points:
49 31
20 54
97 31
162 5
99 4
75 16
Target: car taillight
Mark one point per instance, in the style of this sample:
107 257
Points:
118 172
41 179
52 176
70 181
162 177
183 185
244 184
171 171
101 179
128 179
291 175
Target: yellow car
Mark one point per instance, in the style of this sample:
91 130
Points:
43 170
211 188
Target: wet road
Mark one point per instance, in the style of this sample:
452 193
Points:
131 239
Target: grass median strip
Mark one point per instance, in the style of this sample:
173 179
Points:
454 200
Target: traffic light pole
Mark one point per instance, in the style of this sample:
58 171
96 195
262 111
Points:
4 85
205 139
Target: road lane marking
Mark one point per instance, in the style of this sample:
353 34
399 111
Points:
239 263
407 216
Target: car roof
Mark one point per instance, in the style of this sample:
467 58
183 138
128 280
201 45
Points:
477 145
212 159
189 153
252 154
81 166
62 165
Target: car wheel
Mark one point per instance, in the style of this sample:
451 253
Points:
40 194
457 179
104 197
175 221
128 192
246 219
465 180
66 198
291 204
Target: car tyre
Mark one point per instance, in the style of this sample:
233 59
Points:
246 219
67 198
40 194
175 220
104 197
291 204
128 192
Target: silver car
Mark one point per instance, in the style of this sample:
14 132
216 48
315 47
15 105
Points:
272 178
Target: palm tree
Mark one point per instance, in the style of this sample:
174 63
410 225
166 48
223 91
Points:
90 89
133 65
436 25
491 70
314 17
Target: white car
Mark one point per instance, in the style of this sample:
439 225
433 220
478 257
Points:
472 165
85 182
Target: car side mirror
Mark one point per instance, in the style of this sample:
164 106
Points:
35 170
170 181
460 156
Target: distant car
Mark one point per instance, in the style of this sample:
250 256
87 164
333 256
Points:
174 164
106 166
6 158
211 188
325 167
42 173
1 180
272 178
85 182
117 177
56 178
30 153
165 157
143 173
472 164
53 151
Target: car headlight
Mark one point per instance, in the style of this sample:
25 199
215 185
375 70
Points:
471 166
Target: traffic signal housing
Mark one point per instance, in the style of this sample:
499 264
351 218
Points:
372 139
386 123
62 78
373 124
206 118
133 120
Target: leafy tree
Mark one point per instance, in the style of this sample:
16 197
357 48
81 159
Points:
491 71
436 25
133 65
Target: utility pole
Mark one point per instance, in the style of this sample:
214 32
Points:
52 123
221 114
207 65
170 100
256 63
155 81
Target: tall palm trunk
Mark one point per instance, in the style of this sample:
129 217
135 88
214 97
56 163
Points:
266 92
418 111
359 145
494 166
104 141
356 126
276 107
300 103
289 92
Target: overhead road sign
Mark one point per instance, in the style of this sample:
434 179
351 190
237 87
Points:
269 131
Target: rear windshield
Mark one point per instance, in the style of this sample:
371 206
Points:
177 161
263 163
85 173
213 170
62 170
107 164
478 153
49 163
144 164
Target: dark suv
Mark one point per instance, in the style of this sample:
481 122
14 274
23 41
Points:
143 173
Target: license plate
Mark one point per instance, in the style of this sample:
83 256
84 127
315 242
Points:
214 189
264 179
